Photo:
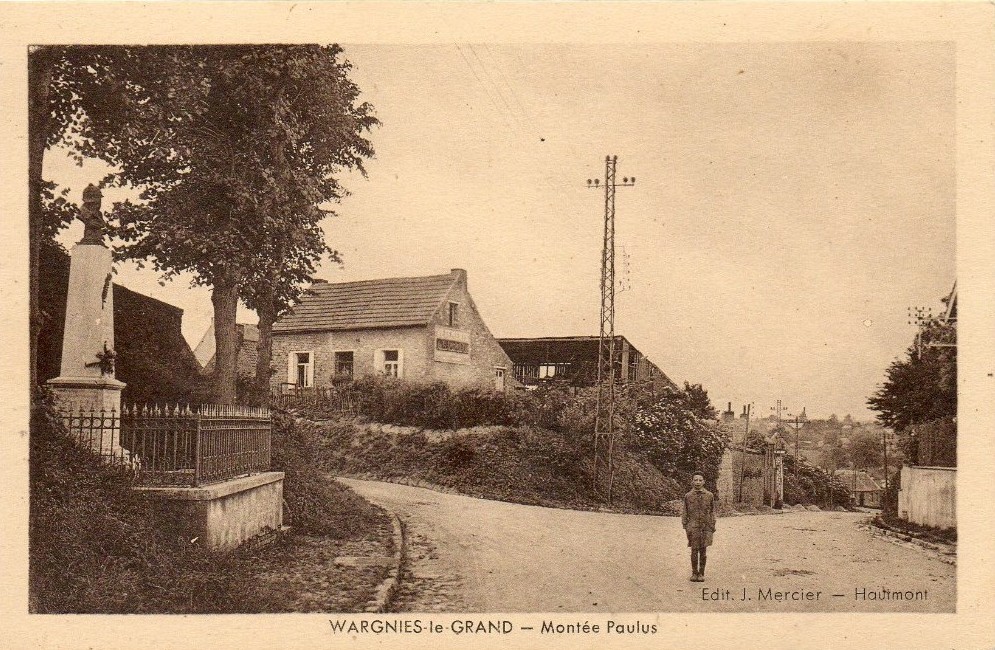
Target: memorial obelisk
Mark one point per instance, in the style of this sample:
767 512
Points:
86 378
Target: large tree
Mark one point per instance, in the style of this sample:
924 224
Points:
698 401
676 439
864 450
235 150
294 247
922 387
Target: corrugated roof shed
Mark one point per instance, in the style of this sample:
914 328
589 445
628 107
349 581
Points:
370 304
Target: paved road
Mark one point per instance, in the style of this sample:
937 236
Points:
474 555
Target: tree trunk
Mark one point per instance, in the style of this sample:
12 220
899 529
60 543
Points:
41 64
224 297
264 349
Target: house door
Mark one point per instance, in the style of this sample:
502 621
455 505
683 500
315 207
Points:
499 379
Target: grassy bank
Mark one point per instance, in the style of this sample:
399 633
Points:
519 464
96 548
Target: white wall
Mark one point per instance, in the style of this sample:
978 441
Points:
928 496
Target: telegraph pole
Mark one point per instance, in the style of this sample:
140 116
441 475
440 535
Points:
742 465
884 439
604 419
920 317
800 421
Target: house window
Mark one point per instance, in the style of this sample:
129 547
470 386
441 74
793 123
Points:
343 365
453 316
300 369
389 363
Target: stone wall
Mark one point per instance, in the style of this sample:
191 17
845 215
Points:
928 496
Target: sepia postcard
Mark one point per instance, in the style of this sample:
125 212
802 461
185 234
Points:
573 324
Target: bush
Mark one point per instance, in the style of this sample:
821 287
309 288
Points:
436 406
518 464
813 485
677 442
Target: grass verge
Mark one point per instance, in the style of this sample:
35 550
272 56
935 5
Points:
926 533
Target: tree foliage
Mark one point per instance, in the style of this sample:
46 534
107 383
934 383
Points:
676 440
922 387
235 149
808 484
696 398
865 450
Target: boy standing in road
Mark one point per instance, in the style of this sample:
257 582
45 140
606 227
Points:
698 519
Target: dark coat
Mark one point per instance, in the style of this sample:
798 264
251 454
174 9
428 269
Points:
698 517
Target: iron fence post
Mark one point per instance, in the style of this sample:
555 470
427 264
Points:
196 451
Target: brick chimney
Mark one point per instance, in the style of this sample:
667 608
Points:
728 415
460 274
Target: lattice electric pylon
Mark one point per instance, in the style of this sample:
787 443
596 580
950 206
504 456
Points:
604 419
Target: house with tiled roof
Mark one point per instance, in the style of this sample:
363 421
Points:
864 490
418 329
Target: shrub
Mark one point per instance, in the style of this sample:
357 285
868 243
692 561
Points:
813 485
456 454
678 442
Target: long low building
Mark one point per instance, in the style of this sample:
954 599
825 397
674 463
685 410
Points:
573 360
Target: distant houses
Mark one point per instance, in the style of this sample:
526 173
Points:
864 490
573 361
416 328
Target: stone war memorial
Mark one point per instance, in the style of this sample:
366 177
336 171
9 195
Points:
204 467
86 379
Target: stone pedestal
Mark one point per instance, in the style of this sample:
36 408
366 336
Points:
87 393
223 515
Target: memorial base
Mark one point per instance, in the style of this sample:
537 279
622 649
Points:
222 515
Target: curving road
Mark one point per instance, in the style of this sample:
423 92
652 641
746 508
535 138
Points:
475 555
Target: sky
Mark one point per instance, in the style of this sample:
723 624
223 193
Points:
791 201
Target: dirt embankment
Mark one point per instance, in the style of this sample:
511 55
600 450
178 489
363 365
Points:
517 464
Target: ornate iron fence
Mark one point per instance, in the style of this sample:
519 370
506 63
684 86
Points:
334 400
178 445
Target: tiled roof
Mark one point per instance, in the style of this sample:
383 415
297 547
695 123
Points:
392 302
865 482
